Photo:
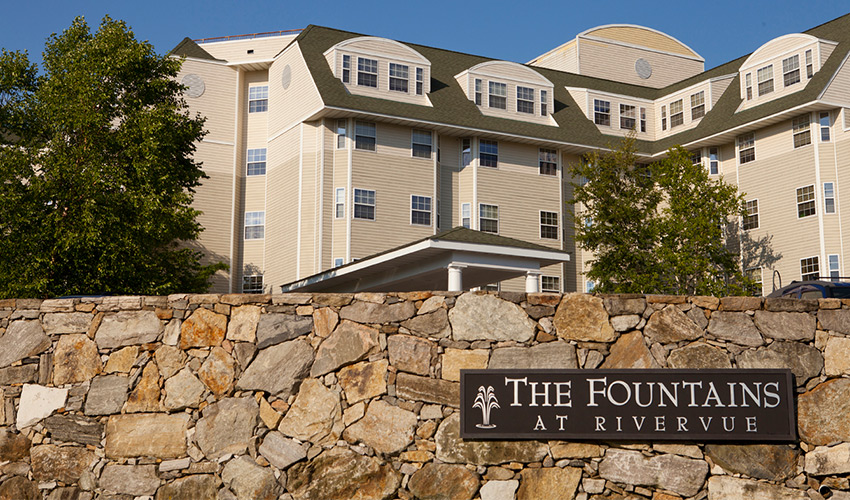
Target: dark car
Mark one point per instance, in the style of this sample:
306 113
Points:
814 289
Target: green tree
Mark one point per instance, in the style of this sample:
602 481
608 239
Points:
656 228
96 170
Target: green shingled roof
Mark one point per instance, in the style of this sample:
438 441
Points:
451 106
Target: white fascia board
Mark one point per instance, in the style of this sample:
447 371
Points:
528 253
197 59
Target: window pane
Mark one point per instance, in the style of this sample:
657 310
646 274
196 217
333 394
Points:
488 153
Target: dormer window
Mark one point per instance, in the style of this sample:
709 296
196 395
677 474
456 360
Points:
791 70
398 77
498 95
698 105
809 67
602 112
544 103
525 100
627 116
367 72
420 81
765 79
346 69
478 98
677 115
749 80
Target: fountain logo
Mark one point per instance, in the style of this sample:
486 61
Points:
486 400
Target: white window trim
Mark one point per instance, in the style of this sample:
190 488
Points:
266 85
828 264
557 156
377 73
797 203
353 204
340 260
375 124
337 203
412 143
460 219
834 197
498 218
262 283
821 127
809 130
248 162
738 149
430 212
758 214
246 226
557 226
390 77
532 101
550 276
817 257
479 153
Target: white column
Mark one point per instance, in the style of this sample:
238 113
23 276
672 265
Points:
456 277
532 281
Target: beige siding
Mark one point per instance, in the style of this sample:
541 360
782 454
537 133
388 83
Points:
326 256
839 89
288 106
643 37
616 62
842 153
237 50
564 58
217 103
388 48
580 97
685 96
214 199
777 48
394 178
510 71
615 101
773 55
308 196
282 208
338 246
718 87
825 51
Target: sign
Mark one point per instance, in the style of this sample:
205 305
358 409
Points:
687 405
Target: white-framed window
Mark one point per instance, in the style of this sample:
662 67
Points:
828 198
551 284
791 70
488 218
746 148
677 113
698 105
365 136
602 112
420 81
547 160
589 286
544 103
420 210
488 153
751 219
478 92
809 268
643 119
258 99
749 85
364 204
628 118
439 225
824 121
338 261
346 69
256 161
525 100
809 66
801 128
421 143
399 77
806 201
341 133
696 157
713 161
765 80
465 215
498 94
834 265
339 203
367 72
755 275
465 152
663 117
492 287
252 283
255 225
548 225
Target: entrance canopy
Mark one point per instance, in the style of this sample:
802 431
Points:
454 260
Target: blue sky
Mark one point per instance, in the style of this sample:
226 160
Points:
719 30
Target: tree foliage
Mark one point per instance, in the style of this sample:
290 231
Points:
658 228
96 170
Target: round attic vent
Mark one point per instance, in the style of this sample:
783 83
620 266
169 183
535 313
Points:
195 85
643 68
286 77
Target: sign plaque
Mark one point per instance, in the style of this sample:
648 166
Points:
656 405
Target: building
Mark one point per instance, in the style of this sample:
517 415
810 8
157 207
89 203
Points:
326 146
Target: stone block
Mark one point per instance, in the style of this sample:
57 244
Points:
740 303
250 481
22 374
107 395
349 343
698 355
681 475
733 488
837 356
431 324
274 328
325 320
278 369
21 340
499 490
280 451
485 317
671 325
541 483
363 380
315 416
61 323
630 351
803 360
558 354
227 427
243 324
194 487
60 463
428 390
411 354
183 390
836 320
452 449
74 429
13 446
736 327
774 462
218 372
823 413
786 325
372 313
127 328
341 474
75 359
453 360
155 435
386 428
38 402
443 482
583 317
203 328
136 480
122 360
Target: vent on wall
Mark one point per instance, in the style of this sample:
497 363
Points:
194 85
250 51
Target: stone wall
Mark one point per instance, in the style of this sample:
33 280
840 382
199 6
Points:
356 396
